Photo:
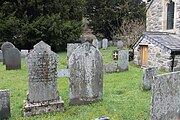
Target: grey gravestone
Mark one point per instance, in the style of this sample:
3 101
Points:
104 44
71 47
4 104
148 74
63 73
95 43
86 75
43 95
110 43
99 44
111 67
119 44
24 53
123 58
165 99
13 59
1 56
5 46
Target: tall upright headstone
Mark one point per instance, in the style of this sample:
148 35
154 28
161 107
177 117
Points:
71 47
13 59
43 95
95 43
86 75
165 99
4 104
148 74
104 44
5 46
123 58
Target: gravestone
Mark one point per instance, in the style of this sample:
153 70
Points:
5 46
123 58
110 43
86 75
4 104
165 99
111 67
13 59
24 53
95 43
115 55
1 56
99 44
63 73
71 47
43 95
120 44
104 44
148 74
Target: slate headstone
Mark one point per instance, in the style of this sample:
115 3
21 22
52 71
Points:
24 53
63 73
148 74
71 47
95 43
5 46
86 75
13 59
123 58
165 99
43 95
4 104
111 67
99 44
1 56
120 44
104 44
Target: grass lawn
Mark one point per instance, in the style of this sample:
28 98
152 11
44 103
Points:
123 96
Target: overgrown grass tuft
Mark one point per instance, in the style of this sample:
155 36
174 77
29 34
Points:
123 96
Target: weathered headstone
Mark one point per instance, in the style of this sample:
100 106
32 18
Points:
99 44
86 75
95 43
104 44
111 67
148 74
43 95
13 59
63 73
4 104
24 53
1 56
71 47
165 100
120 44
5 46
123 58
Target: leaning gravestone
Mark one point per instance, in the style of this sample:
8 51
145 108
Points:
13 59
71 47
165 100
119 44
148 74
86 75
43 94
5 46
95 43
123 58
104 44
1 56
4 104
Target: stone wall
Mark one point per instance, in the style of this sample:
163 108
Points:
158 56
177 63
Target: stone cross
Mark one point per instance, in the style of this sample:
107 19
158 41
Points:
86 75
5 46
104 44
123 58
13 59
165 100
43 95
4 104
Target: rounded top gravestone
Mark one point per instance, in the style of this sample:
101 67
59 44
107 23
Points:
4 47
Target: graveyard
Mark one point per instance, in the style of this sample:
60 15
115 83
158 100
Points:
123 97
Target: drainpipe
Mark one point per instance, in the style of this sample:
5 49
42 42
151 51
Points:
149 5
173 58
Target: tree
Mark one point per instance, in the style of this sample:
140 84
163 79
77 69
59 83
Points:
26 22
